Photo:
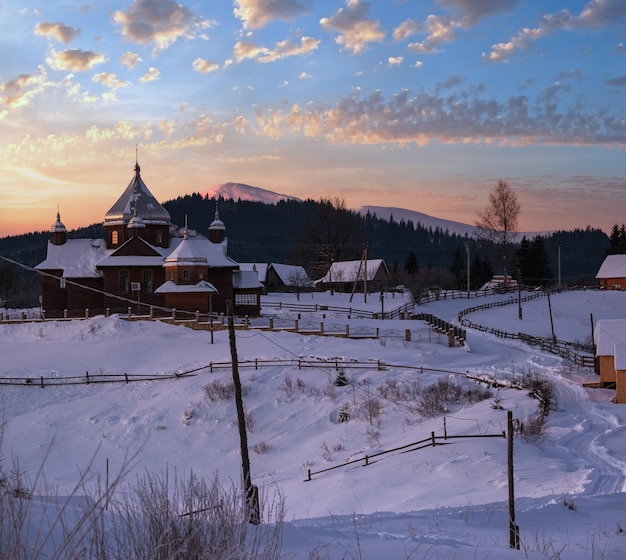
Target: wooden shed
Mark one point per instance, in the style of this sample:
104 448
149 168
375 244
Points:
612 273
608 333
620 373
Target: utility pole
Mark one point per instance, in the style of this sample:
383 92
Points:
551 320
467 248
251 492
558 250
513 528
519 294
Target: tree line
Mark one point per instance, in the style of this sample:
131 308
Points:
314 233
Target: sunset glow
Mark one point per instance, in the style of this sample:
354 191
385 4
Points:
418 105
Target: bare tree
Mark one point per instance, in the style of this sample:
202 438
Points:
331 233
498 221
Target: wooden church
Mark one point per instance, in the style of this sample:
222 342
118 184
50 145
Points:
139 266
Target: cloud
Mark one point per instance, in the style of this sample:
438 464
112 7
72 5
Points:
440 29
395 60
203 66
354 27
110 80
406 29
258 13
20 91
595 15
501 52
58 31
76 60
161 22
422 118
130 59
619 49
282 49
150 76
473 11
618 82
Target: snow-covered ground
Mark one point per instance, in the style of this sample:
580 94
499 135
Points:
448 501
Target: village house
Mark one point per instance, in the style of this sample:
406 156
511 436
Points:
344 275
138 266
612 273
610 342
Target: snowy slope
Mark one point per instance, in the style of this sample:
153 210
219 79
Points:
444 502
239 191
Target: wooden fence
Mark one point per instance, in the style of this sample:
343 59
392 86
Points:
336 364
432 441
580 354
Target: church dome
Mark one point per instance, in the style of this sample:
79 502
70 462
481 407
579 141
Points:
137 201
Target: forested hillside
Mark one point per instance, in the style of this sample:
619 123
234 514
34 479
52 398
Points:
315 233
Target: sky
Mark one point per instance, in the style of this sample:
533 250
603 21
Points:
446 502
418 105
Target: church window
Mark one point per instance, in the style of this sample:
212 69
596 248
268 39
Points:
115 237
147 281
245 299
185 274
62 283
159 237
124 281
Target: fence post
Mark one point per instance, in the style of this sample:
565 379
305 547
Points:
377 333
407 335
41 380
151 312
107 312
451 338
197 316
347 331
271 323
296 325
65 313
173 314
432 437
308 478
87 313
87 376
321 327
130 311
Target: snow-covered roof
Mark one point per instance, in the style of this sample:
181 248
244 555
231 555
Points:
187 252
246 280
77 258
137 199
346 271
201 287
261 269
608 333
292 275
613 266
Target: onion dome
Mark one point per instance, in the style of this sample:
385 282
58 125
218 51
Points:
58 225
217 229
136 222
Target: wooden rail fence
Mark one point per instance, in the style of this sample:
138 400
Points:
432 441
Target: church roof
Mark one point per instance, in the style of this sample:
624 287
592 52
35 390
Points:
137 199
77 258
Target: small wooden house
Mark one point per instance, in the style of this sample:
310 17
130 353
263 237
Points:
343 276
620 373
612 273
608 333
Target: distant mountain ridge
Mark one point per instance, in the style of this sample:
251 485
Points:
240 191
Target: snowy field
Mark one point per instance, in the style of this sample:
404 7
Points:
443 502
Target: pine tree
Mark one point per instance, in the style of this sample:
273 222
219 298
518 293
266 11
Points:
458 269
411 266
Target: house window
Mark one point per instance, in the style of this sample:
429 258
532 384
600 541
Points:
245 299
124 281
62 283
115 237
185 274
147 281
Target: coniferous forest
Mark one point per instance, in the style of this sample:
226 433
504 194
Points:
315 233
